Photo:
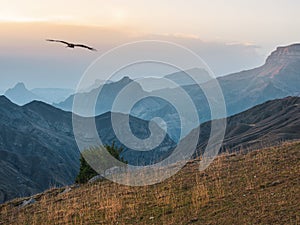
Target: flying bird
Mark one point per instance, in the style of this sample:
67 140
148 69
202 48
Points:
72 45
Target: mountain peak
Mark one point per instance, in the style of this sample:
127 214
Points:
18 87
20 95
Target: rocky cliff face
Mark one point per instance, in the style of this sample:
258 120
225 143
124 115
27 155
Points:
281 59
284 55
279 77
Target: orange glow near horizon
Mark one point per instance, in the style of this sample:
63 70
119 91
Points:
215 20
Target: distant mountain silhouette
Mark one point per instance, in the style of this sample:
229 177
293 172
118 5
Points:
38 149
20 95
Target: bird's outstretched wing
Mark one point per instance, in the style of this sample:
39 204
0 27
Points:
73 45
64 42
85 46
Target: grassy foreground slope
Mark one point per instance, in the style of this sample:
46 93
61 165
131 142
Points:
260 187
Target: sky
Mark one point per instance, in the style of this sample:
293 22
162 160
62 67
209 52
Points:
230 35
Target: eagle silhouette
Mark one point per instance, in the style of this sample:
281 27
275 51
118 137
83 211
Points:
72 45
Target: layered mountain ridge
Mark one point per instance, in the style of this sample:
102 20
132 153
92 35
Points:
279 77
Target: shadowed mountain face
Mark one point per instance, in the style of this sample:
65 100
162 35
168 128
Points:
38 149
279 77
264 125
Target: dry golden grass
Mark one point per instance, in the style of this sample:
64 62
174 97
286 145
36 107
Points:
261 187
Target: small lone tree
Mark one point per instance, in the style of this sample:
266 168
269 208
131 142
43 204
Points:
86 172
